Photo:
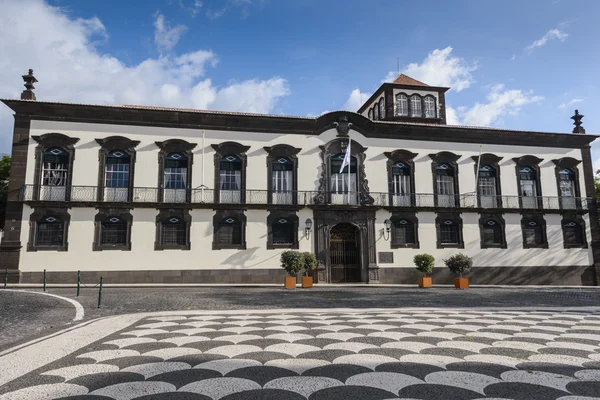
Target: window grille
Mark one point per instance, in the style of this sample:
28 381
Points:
403 233
229 232
492 233
174 232
573 233
50 232
429 107
401 105
283 232
415 106
113 231
448 232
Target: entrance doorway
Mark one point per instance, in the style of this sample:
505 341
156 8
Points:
344 250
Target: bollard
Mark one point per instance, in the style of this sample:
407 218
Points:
5 277
100 294
44 280
78 282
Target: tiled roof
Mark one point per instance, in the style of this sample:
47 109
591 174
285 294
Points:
407 80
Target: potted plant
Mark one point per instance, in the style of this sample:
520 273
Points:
292 262
458 264
310 263
424 263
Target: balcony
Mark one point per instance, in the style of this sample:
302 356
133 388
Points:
83 195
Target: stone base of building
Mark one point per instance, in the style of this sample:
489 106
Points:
561 276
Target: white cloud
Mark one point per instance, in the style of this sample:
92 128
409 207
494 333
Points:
165 36
70 68
500 102
356 99
550 35
440 68
562 106
451 116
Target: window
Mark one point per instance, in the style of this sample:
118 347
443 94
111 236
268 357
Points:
445 185
283 232
174 232
567 186
382 108
429 107
492 232
282 181
401 105
49 232
342 183
230 179
175 160
404 232
529 187
113 232
415 106
229 232
401 188
55 172
376 112
370 113
574 233
176 169
113 229
116 176
449 231
487 187
534 232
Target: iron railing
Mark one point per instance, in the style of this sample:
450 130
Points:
300 198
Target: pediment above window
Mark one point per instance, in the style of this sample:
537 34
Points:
528 160
117 143
55 140
400 155
175 146
444 157
566 162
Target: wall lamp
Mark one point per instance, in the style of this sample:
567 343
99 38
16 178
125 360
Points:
386 232
308 227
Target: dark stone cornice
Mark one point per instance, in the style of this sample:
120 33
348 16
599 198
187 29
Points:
183 119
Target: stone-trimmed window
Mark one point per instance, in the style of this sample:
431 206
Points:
229 230
401 105
230 172
492 231
401 178
404 231
489 190
376 112
573 228
528 182
444 169
382 108
429 107
534 231
282 230
370 113
112 229
282 174
116 168
173 230
416 106
49 229
175 160
53 174
449 233
567 181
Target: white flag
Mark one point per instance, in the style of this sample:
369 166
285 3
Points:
346 157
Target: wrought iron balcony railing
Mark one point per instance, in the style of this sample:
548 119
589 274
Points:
301 198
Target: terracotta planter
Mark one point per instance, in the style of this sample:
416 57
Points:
424 282
290 282
461 283
307 281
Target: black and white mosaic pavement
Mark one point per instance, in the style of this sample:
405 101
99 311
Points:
327 354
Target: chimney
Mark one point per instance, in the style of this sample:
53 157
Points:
578 128
29 81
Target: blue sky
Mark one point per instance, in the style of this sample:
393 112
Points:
513 64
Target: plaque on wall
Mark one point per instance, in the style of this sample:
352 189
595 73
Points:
386 257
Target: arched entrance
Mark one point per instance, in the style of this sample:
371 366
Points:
344 253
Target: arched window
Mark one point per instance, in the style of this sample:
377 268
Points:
229 232
370 113
230 179
343 184
175 178
282 180
430 107
401 105
113 232
174 232
403 233
55 174
116 176
376 112
415 106
445 176
529 186
401 187
568 188
491 233
487 187
49 232
382 109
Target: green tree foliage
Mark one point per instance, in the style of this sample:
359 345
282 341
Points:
4 175
597 184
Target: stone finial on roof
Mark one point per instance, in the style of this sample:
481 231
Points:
577 118
29 81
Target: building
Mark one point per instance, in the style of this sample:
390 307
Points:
167 195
